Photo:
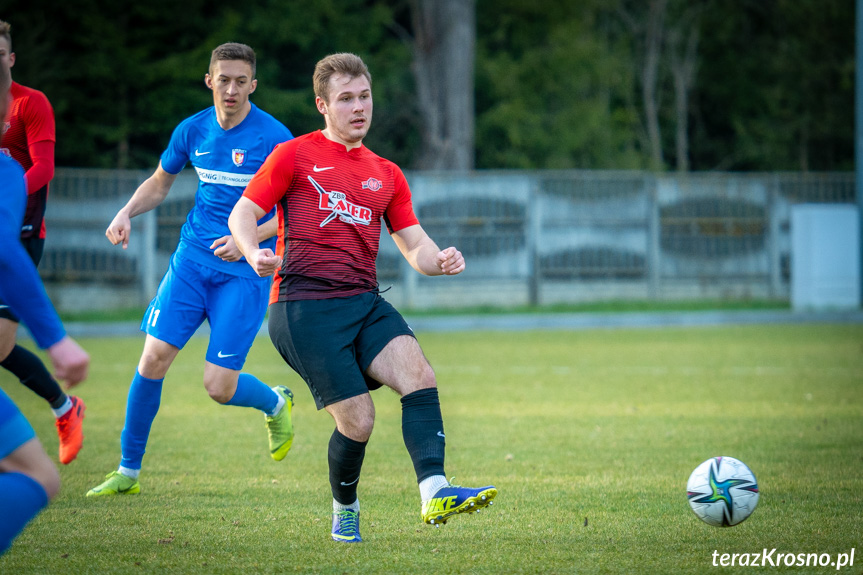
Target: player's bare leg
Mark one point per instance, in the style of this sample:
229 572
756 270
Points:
233 387
402 366
32 372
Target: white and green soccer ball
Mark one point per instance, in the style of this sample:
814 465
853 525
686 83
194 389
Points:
722 491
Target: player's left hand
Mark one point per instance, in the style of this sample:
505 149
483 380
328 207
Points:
226 249
450 261
71 362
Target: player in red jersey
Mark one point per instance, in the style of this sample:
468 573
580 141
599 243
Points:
28 137
327 318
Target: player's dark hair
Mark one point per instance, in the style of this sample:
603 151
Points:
6 32
233 51
343 63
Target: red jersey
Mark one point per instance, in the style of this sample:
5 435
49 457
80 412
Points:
30 120
329 202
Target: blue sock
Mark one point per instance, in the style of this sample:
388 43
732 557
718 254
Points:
252 392
21 499
145 395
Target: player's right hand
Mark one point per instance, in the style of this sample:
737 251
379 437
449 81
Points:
264 262
71 362
119 230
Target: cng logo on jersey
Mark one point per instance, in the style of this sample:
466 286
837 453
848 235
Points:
339 207
239 156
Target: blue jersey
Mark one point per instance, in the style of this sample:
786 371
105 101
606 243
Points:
225 161
20 286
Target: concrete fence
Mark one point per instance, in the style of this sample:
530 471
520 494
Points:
538 237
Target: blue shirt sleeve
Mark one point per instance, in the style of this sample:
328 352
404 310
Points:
176 155
20 286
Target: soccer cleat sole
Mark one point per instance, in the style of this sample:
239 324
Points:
134 490
471 505
106 490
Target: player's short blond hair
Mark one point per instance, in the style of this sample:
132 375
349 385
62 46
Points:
342 63
6 32
233 51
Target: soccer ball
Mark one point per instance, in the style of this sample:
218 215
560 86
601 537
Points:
722 491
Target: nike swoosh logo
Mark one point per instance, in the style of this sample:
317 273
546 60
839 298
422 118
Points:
197 153
351 483
440 433
317 169
224 355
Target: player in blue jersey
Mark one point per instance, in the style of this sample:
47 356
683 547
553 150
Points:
207 277
28 477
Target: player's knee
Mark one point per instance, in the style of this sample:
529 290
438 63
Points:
7 343
219 393
50 482
45 474
426 377
358 428
153 365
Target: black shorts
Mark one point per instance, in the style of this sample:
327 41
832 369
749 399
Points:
34 247
331 342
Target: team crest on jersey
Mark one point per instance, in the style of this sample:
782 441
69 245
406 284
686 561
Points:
339 207
6 126
373 184
239 156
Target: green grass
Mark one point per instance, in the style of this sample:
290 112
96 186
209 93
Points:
612 306
590 437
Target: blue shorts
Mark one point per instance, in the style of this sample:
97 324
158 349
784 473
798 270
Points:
15 430
331 342
190 292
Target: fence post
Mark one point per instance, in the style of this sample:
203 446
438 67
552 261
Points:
533 230
651 187
147 255
775 261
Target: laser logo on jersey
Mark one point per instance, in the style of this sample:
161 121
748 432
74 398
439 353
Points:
239 156
339 207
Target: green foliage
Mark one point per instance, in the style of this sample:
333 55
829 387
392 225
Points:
558 82
551 89
776 86
590 437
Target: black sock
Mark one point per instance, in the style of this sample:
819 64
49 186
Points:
422 429
27 367
346 461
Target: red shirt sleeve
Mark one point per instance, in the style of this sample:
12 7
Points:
42 170
400 212
272 180
38 118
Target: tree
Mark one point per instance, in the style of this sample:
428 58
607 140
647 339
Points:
443 66
554 88
647 27
682 45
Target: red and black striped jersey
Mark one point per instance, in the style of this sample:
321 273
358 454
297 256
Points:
29 120
329 202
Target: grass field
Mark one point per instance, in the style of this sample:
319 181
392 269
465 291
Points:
590 437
